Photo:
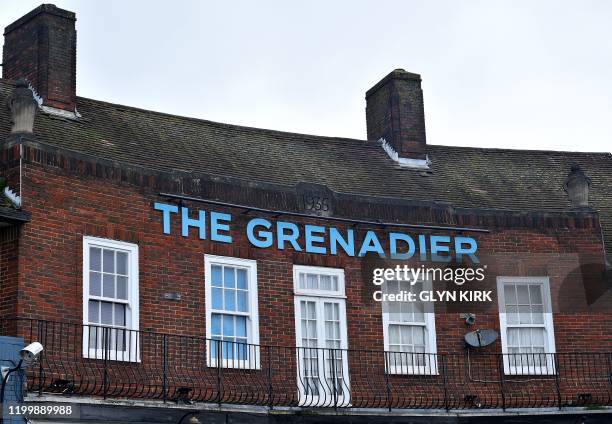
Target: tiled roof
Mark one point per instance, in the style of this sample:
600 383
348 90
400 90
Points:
462 176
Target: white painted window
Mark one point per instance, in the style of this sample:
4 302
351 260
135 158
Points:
320 320
110 300
409 331
527 334
232 319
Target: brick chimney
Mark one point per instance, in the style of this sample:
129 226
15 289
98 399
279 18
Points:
41 47
394 112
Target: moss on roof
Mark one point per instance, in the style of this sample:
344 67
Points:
462 176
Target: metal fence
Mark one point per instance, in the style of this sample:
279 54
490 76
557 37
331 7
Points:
117 363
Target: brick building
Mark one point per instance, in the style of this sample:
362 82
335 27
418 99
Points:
172 265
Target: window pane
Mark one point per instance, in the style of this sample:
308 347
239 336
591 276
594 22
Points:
416 287
241 330
329 312
107 313
303 310
94 312
119 337
119 314
312 282
522 293
312 331
217 298
230 300
229 277
228 350
95 337
242 305
394 309
241 278
122 287
312 310
241 349
418 335
216 279
406 335
216 324
537 314
329 331
537 337
512 314
525 337
392 286
108 285
108 260
524 315
95 259
509 294
335 284
122 263
326 283
419 314
228 326
535 292
95 284
513 336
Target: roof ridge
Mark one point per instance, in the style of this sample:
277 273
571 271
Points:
506 149
335 139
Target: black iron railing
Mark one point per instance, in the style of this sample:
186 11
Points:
118 363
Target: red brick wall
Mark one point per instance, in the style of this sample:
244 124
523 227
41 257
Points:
9 239
66 207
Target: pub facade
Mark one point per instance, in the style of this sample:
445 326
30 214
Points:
177 268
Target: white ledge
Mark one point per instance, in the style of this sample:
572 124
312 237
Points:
60 112
404 162
13 197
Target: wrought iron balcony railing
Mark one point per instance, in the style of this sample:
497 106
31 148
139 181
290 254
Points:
118 363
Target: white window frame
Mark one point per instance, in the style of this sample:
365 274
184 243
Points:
252 315
431 348
132 351
319 297
548 325
336 272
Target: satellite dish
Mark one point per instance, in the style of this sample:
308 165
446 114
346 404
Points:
480 338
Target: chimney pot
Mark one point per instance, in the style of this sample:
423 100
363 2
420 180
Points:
23 108
577 186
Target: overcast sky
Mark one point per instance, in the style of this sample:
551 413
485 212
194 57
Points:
520 74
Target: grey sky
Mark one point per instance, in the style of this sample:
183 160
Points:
520 74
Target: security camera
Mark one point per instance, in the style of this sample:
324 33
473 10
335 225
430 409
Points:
31 352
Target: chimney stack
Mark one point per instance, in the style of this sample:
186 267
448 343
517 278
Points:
41 47
395 113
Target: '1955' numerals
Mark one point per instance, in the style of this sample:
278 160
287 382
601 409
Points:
312 202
